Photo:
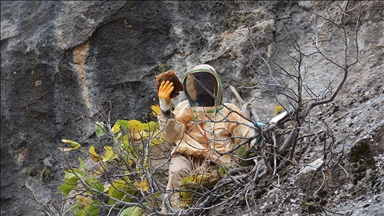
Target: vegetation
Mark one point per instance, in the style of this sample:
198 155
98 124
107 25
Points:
123 180
126 182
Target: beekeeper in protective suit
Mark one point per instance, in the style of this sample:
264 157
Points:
203 128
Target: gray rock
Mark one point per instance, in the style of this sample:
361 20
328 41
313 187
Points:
59 59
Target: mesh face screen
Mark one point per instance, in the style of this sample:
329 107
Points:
200 88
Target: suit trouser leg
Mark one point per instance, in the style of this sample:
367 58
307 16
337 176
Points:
179 167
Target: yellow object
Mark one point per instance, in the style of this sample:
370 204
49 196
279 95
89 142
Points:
109 154
115 129
135 126
84 201
278 109
165 91
155 109
99 171
142 185
75 145
95 157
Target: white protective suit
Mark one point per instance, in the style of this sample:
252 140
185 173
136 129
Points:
202 127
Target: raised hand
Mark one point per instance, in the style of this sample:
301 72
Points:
164 95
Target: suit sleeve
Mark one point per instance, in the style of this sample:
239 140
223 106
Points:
238 126
173 128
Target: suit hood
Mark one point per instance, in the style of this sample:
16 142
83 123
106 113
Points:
202 86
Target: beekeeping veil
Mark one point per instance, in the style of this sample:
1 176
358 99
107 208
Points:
202 86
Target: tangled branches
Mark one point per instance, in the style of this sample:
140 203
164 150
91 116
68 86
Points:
128 178
292 134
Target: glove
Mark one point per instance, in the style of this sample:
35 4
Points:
164 94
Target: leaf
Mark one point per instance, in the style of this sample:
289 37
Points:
188 179
142 185
142 135
156 109
106 187
115 128
98 171
130 162
157 139
66 149
128 147
118 136
131 150
70 182
100 129
109 154
117 189
82 164
75 145
74 207
95 157
241 151
223 170
77 173
132 211
94 183
93 209
135 126
66 189
152 126
81 212
122 123
125 141
84 201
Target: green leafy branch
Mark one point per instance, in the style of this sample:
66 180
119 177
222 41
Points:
123 179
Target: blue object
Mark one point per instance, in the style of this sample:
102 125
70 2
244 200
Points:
260 124
257 133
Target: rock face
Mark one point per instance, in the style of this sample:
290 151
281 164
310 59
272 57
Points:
59 60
